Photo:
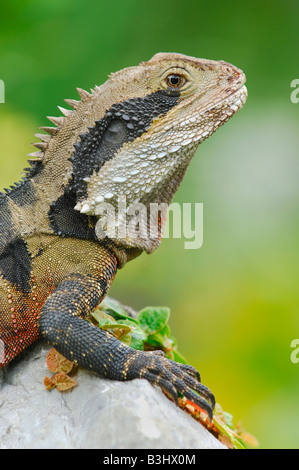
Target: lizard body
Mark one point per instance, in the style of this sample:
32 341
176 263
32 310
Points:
131 138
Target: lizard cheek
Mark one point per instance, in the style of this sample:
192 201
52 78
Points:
115 133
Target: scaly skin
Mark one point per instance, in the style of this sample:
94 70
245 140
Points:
130 140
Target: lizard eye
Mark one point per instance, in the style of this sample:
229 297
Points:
175 81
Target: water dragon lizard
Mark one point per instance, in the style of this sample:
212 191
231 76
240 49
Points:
132 137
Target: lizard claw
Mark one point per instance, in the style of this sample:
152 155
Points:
175 378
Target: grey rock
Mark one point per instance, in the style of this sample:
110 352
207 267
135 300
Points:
97 414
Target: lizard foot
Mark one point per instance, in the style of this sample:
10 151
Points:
174 378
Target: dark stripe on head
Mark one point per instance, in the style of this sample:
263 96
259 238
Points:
122 123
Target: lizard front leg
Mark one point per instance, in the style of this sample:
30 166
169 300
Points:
62 324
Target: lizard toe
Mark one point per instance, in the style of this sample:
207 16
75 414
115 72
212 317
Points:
176 380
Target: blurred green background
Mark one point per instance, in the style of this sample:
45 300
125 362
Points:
235 301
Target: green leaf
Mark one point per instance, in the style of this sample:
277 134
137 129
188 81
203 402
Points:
153 319
137 341
226 431
165 331
103 318
113 308
228 419
126 339
116 326
129 322
138 336
119 330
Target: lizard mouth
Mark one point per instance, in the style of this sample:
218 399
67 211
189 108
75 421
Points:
236 100
200 126
231 103
225 108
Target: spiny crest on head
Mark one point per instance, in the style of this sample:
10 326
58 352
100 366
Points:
53 131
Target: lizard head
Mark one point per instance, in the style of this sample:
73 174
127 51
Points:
134 136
